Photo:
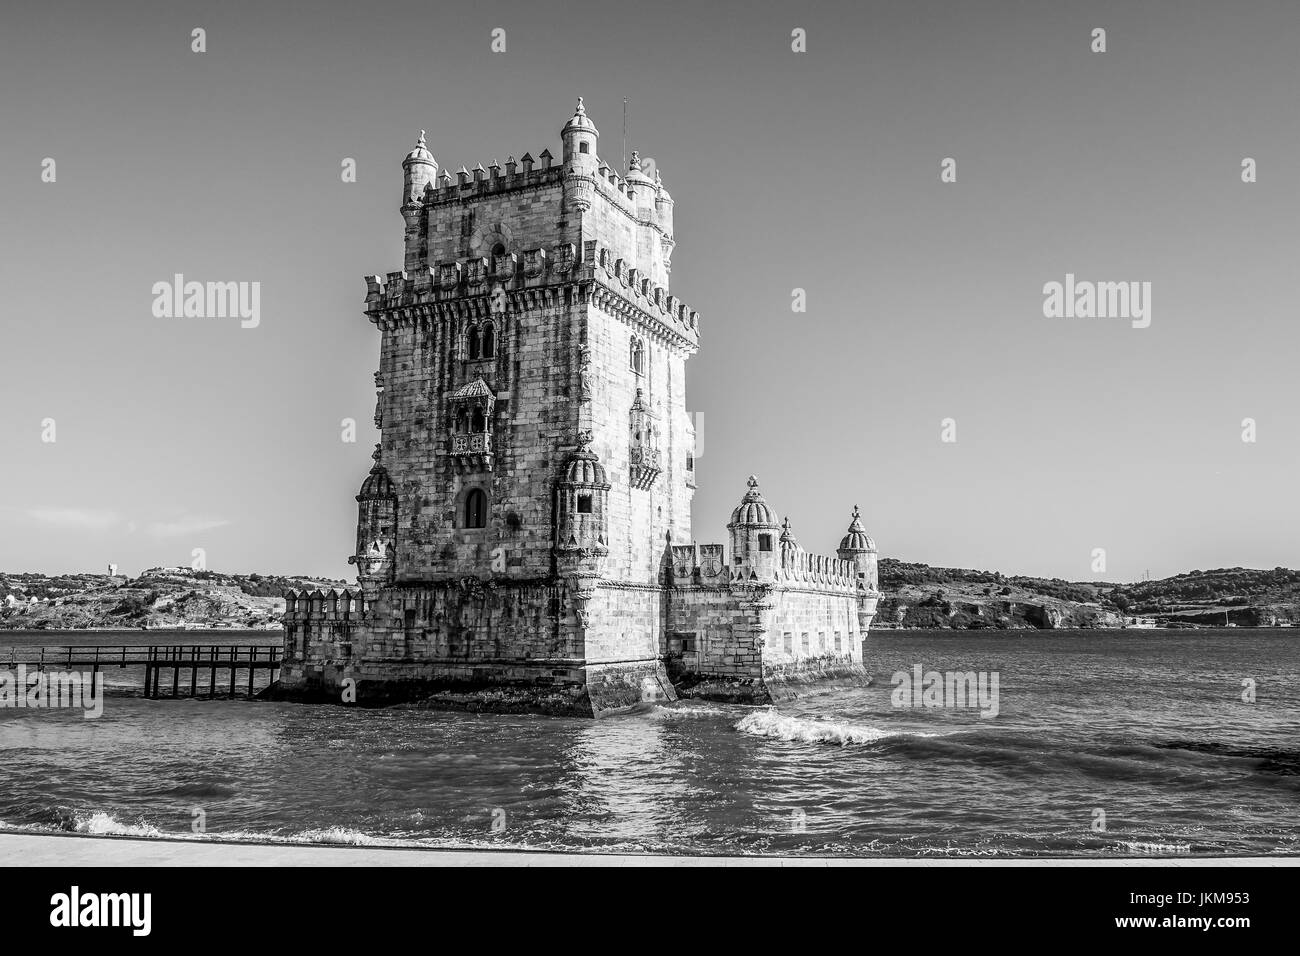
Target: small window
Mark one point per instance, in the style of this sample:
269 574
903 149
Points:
805 642
765 542
476 509
837 641
499 249
584 504
690 462
789 642
635 359
471 345
583 148
489 341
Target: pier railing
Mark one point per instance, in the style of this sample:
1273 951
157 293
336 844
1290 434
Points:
157 658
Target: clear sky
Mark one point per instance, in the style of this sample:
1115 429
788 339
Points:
817 170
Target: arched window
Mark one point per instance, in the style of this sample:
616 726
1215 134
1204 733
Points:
477 424
476 509
499 249
489 341
462 422
635 360
471 343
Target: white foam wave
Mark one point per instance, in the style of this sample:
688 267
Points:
1138 846
687 712
100 823
770 723
335 835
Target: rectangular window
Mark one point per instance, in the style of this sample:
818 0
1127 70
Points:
821 641
789 642
410 619
765 542
584 504
806 648
837 642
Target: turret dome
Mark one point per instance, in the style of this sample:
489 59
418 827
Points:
584 468
580 121
377 484
420 154
857 539
753 510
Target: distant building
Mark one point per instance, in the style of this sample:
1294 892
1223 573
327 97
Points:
522 537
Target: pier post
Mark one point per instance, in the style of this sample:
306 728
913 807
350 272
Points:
252 658
194 671
212 672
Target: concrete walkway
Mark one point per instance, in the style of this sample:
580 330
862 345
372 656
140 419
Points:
26 849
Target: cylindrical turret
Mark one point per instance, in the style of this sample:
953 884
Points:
376 528
857 546
418 170
753 528
581 528
643 187
579 137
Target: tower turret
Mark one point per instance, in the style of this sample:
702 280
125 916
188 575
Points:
664 210
376 528
753 528
643 188
581 529
579 137
578 156
418 170
857 546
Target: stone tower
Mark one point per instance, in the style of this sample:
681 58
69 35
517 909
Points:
536 458
524 534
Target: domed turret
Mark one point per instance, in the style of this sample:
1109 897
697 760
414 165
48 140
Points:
753 510
753 530
376 528
584 468
643 187
857 546
579 137
419 168
377 483
581 533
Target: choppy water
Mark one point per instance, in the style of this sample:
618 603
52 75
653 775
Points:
1148 727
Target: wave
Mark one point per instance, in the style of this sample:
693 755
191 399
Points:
99 823
688 712
1138 846
335 835
770 723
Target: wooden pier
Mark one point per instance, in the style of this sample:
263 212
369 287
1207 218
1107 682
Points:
161 661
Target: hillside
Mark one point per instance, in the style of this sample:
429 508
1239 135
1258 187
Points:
158 598
917 595
913 596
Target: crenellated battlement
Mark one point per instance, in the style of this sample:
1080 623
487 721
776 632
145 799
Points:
470 183
469 286
705 565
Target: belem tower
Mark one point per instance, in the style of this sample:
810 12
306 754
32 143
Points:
524 535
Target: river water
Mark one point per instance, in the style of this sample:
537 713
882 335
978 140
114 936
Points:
1104 744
